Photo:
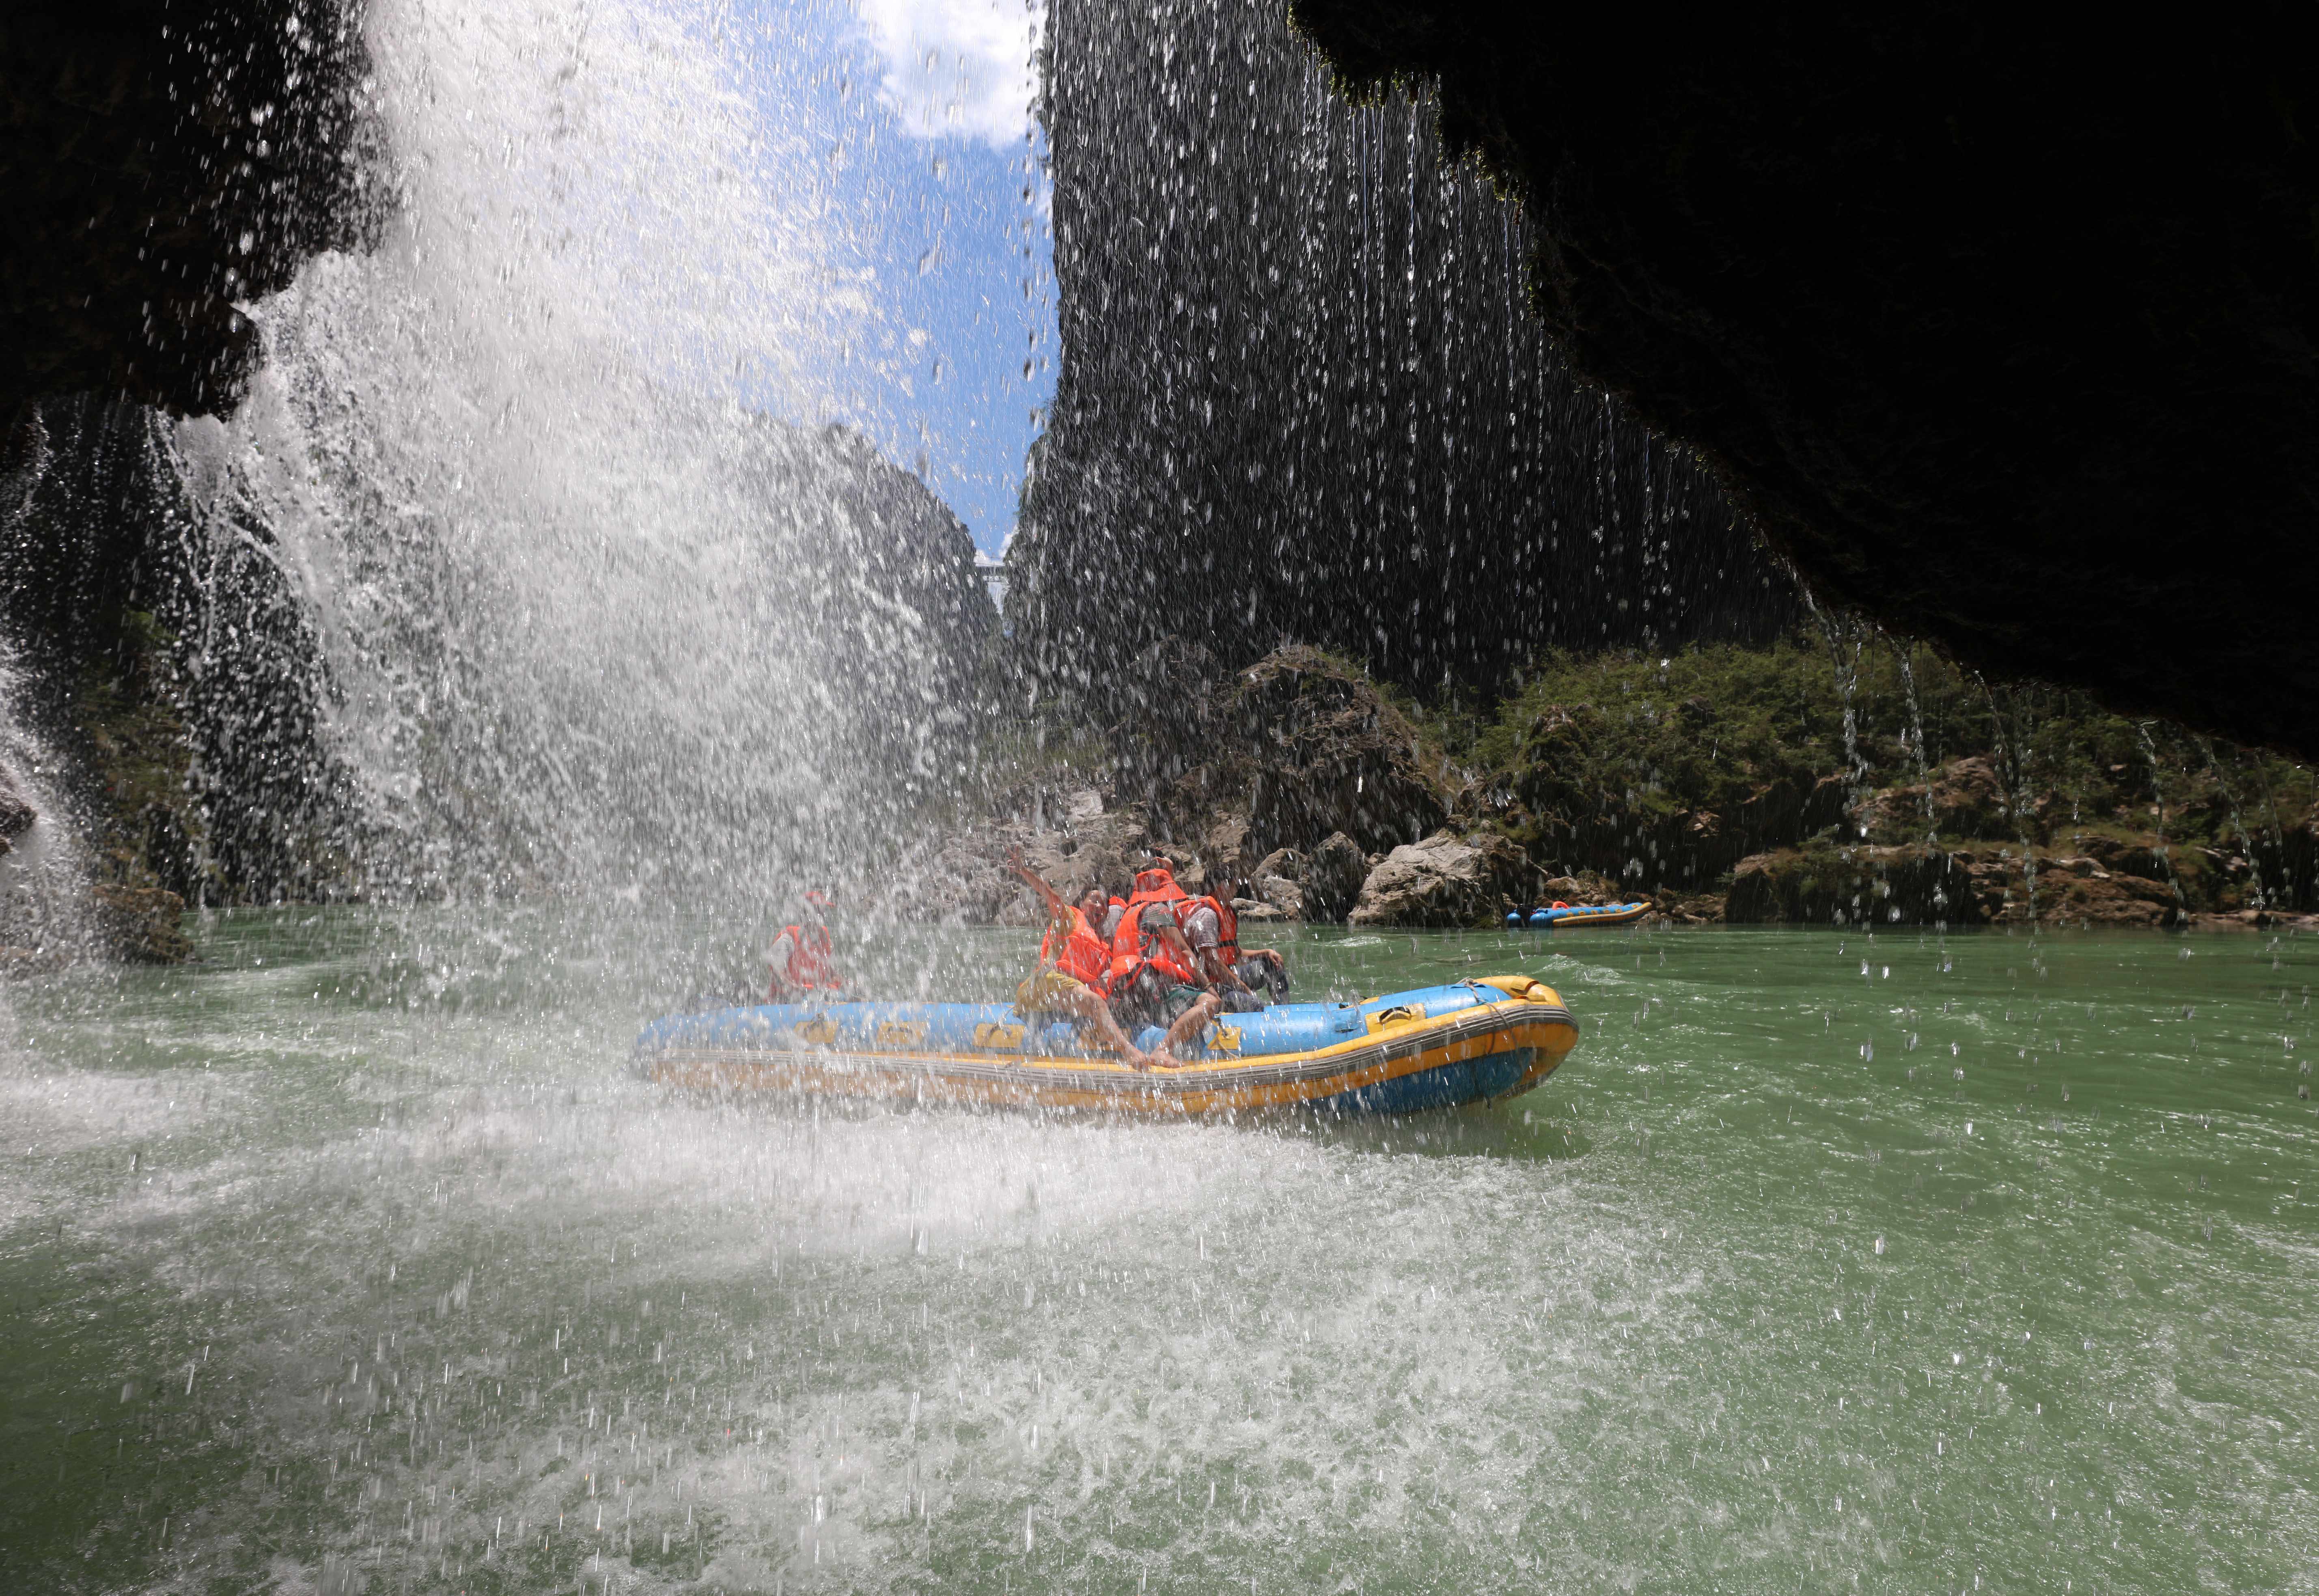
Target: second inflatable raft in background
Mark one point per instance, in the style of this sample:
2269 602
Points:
1563 917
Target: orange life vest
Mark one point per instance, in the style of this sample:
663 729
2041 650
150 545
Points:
1227 927
1083 956
1133 948
810 965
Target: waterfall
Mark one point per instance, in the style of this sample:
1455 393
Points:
531 580
572 606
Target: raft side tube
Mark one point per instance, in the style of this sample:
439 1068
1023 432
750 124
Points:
1432 1046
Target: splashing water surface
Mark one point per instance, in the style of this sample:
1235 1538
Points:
348 1259
351 1254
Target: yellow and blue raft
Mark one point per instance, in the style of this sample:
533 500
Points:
1437 1047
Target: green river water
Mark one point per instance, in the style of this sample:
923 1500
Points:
349 1260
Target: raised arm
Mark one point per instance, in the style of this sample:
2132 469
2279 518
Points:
1056 906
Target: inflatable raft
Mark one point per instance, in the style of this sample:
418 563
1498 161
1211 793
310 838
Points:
1433 1048
1562 919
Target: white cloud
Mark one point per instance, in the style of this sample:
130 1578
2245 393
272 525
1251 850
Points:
957 69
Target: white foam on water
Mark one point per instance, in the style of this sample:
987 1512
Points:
70 1131
1078 1320
51 1113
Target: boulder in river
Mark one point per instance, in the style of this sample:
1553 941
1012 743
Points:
1278 754
139 925
1446 880
1330 881
1330 755
1280 882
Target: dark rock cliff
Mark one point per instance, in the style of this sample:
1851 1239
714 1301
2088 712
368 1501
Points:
161 160
169 659
1300 399
2004 326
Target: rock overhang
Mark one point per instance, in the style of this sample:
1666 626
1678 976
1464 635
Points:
2005 336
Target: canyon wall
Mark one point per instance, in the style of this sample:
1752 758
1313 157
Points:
1302 397
162 160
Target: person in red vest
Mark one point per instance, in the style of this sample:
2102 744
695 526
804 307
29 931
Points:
1157 977
1074 973
801 958
1244 978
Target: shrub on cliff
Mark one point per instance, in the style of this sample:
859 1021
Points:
1667 770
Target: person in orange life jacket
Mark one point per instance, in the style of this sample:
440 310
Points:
1074 971
1213 930
1212 937
801 958
1155 976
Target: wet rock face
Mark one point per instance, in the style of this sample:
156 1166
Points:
2102 881
1298 396
1298 746
1070 838
2077 889
1964 799
139 925
2007 333
1330 755
1280 883
159 161
1277 784
1822 884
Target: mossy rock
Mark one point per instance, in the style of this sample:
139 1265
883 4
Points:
139 925
1823 884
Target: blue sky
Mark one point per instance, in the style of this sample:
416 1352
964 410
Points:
919 111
